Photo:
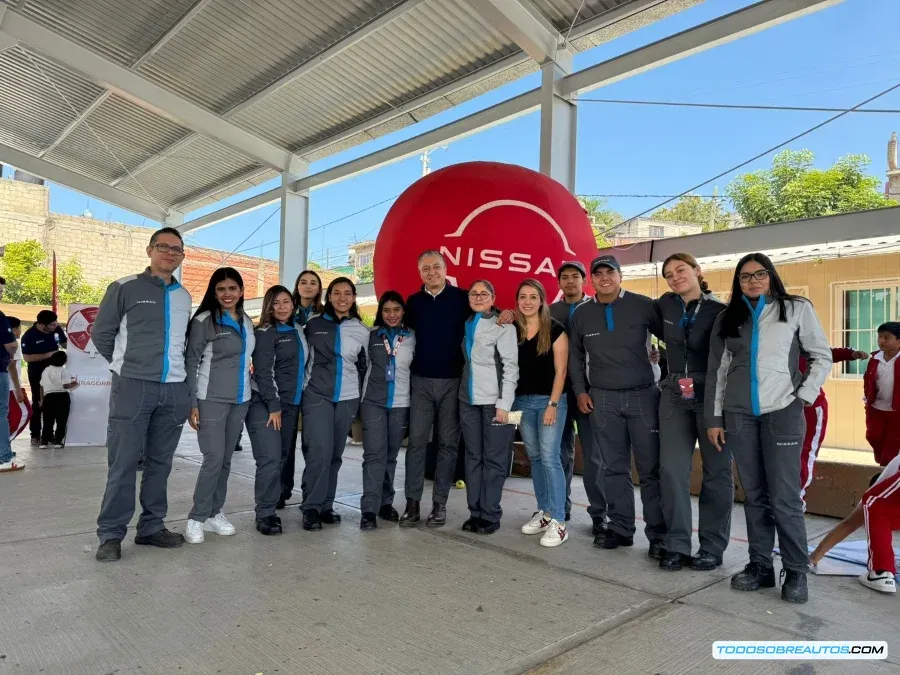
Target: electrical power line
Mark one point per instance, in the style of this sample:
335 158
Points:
609 196
758 156
729 106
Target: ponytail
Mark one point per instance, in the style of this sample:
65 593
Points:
703 285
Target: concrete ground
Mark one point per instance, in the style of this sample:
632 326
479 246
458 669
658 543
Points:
390 601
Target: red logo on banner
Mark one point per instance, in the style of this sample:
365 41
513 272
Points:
493 221
79 327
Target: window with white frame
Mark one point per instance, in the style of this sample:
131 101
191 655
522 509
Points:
657 231
364 259
859 309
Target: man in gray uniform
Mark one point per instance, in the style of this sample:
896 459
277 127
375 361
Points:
609 342
571 276
140 329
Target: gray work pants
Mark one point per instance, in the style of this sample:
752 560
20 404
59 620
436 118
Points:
626 421
681 428
144 418
221 425
383 431
271 448
325 428
592 461
766 451
433 399
488 448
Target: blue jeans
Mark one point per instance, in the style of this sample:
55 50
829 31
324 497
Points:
542 444
5 447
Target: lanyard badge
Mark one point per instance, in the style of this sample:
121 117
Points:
389 369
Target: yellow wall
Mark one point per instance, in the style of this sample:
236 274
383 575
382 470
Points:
816 280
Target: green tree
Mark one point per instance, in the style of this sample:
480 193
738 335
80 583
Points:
793 188
603 219
695 209
29 277
366 274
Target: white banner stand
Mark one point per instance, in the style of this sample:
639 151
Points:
90 400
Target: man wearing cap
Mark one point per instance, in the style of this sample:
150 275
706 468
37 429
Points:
609 342
571 275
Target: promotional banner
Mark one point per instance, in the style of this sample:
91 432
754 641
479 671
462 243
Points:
492 221
90 400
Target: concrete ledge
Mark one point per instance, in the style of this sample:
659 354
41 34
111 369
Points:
835 490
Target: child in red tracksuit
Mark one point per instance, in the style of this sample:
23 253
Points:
817 421
879 511
881 384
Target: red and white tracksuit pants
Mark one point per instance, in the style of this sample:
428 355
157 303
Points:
881 504
19 415
816 423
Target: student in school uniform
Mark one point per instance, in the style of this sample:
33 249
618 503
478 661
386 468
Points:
279 371
881 384
486 394
879 512
56 383
220 342
385 408
338 341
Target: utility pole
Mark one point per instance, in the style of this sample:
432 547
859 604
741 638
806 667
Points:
425 157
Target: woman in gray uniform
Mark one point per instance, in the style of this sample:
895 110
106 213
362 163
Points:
219 344
486 393
385 408
338 341
279 369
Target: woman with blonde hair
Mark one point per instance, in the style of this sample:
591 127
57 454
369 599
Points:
543 357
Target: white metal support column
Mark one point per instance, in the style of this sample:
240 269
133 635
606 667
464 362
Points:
559 114
293 247
176 220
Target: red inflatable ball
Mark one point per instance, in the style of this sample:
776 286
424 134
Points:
493 221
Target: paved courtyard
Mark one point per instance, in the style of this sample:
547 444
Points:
390 601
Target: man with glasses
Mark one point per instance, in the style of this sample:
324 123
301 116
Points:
140 329
39 343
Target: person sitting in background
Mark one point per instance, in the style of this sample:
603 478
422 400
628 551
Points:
39 343
879 511
19 405
881 384
56 383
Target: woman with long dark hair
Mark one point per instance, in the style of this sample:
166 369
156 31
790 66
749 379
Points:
279 369
543 356
486 394
220 342
307 295
385 408
756 407
689 312
338 341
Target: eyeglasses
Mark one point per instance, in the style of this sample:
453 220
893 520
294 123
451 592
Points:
165 248
759 275
479 296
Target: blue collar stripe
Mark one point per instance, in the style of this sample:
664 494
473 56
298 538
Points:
755 314
166 309
471 326
610 325
301 368
338 364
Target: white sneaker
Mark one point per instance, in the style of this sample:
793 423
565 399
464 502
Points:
555 535
219 525
883 582
539 522
194 532
11 465
43 446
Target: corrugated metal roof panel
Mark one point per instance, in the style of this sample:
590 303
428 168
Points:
234 48
632 23
432 45
30 108
120 31
561 12
131 132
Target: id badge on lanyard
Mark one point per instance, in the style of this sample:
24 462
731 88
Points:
390 369
686 384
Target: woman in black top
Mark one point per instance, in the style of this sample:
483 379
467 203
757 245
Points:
543 356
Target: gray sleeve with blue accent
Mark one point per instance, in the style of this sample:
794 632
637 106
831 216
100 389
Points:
196 343
107 321
716 377
508 348
815 344
264 368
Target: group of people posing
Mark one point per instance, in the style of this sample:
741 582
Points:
446 361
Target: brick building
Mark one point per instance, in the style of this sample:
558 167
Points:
112 250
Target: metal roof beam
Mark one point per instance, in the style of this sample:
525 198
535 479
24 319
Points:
143 92
57 174
524 25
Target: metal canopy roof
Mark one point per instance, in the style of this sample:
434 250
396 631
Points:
195 100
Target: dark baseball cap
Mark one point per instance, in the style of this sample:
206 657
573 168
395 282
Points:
605 261
575 264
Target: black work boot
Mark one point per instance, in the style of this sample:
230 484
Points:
471 525
311 520
411 515
437 517
674 562
753 577
705 561
163 539
657 550
110 550
793 587
368 521
268 525
599 525
611 540
331 517
388 512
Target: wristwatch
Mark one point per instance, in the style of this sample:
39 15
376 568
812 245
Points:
553 404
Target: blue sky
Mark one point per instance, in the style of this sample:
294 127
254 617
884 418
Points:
837 57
